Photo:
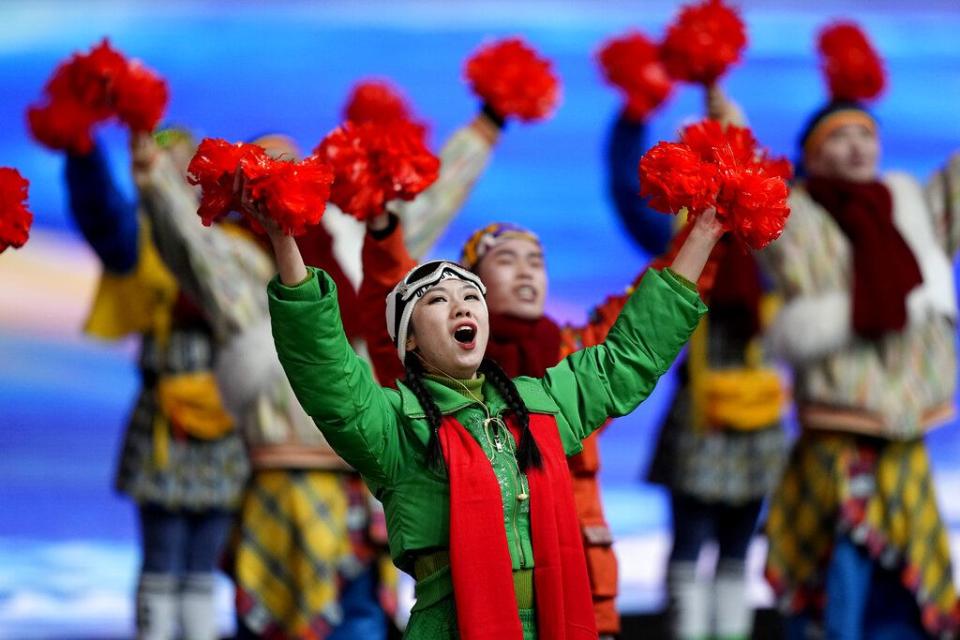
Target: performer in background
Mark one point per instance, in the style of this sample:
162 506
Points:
182 462
858 547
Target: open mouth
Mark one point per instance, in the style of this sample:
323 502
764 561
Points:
525 293
465 334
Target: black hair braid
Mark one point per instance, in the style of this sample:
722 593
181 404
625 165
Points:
414 381
528 454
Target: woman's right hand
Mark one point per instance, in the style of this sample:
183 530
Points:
290 263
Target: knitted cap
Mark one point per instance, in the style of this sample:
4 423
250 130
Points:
484 240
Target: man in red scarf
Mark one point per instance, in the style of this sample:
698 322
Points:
857 543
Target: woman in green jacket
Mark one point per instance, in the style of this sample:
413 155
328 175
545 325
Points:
470 465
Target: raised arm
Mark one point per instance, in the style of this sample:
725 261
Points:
626 144
106 218
462 159
334 386
385 262
222 273
943 197
613 377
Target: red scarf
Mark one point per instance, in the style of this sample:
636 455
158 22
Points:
884 268
480 563
523 347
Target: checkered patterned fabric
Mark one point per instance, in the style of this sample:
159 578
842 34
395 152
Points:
301 533
881 494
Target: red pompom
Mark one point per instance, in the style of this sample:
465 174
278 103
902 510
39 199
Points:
15 218
376 101
140 97
853 68
703 42
294 194
375 163
63 125
673 176
91 88
754 206
214 168
513 80
632 64
720 166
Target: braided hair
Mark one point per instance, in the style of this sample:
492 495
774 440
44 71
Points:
528 454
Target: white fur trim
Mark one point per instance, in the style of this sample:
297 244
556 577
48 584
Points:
936 296
811 327
245 366
347 233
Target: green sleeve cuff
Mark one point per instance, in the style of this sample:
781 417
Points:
675 279
316 286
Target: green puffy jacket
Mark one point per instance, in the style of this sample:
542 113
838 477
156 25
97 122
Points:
382 432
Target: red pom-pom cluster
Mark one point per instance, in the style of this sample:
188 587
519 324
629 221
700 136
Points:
720 166
514 80
91 88
15 218
376 101
632 64
293 194
853 68
703 42
375 163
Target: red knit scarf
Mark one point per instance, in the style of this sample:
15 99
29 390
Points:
523 347
480 563
884 268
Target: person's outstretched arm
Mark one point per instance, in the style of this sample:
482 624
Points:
334 386
626 144
106 218
610 379
385 261
463 159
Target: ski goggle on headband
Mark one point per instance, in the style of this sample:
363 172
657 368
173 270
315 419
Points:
404 297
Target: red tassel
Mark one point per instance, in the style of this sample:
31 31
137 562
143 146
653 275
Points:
15 217
703 42
91 88
723 167
140 97
853 68
632 64
375 163
513 80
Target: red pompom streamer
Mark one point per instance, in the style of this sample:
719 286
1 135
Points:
703 42
376 101
720 166
91 88
15 218
632 64
853 68
140 97
514 80
375 163
293 194
673 176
